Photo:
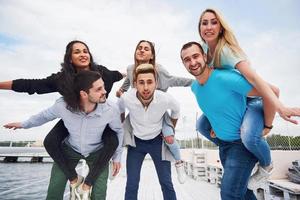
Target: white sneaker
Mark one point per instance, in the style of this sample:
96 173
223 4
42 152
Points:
181 176
110 171
259 178
74 186
82 194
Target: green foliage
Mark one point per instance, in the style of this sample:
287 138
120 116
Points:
196 143
280 142
276 142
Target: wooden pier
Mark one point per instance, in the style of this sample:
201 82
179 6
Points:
23 154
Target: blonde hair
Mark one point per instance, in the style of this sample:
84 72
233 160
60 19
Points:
226 37
144 69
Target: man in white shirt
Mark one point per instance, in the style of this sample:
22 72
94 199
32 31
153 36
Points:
147 107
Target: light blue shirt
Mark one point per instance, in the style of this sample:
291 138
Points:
85 130
229 59
223 101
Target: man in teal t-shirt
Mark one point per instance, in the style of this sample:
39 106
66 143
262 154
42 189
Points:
221 94
225 94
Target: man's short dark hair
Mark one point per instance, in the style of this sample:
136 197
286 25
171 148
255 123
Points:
189 44
83 81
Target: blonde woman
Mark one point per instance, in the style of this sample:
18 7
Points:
223 51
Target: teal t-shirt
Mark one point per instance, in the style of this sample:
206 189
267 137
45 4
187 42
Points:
223 101
228 58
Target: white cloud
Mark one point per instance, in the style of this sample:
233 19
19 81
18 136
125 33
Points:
112 30
274 55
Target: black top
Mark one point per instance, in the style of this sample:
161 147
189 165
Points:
50 84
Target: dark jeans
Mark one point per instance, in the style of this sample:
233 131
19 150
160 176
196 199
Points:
58 179
237 163
53 145
135 158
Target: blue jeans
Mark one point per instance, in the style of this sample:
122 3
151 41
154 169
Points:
173 147
135 158
237 163
251 131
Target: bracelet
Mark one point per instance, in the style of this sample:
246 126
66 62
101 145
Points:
268 127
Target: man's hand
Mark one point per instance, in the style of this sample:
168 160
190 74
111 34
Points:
212 134
116 168
174 121
119 92
13 126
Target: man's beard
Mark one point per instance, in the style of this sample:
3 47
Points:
143 100
201 71
100 100
149 97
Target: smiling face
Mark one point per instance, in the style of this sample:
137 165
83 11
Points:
210 27
80 56
97 94
193 60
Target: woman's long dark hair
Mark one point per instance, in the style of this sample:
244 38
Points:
68 70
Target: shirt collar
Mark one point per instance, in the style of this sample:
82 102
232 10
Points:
137 101
100 109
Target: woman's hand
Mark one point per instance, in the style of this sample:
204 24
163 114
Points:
286 113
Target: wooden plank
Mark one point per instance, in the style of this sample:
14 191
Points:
149 188
286 184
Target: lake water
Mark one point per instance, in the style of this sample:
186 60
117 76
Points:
29 181
22 181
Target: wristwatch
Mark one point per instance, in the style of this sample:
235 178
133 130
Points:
268 127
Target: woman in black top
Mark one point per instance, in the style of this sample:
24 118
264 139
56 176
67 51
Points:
74 60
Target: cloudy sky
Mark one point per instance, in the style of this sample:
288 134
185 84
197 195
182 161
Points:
33 36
